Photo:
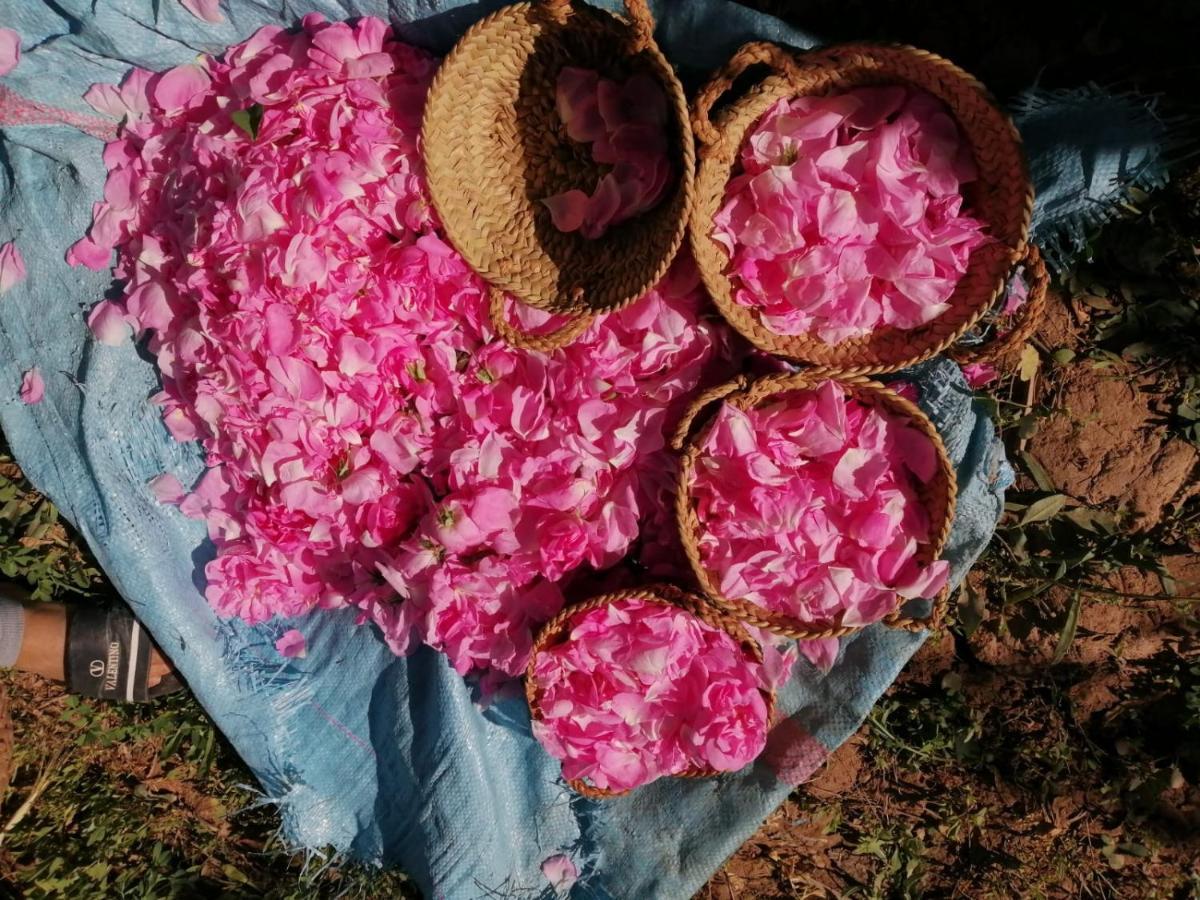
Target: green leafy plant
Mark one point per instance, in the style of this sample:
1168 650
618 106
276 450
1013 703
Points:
35 546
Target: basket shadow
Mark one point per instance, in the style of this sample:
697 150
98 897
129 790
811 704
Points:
587 274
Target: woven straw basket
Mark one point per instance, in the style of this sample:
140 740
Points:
495 147
557 630
1002 197
938 495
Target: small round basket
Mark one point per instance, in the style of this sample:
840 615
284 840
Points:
558 630
495 147
1002 196
938 495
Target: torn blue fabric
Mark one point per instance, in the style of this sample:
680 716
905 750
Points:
388 760
1079 188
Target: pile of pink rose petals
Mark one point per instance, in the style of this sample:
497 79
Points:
640 690
369 442
809 506
625 124
847 215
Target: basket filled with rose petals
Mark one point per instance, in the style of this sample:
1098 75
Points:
635 685
860 208
812 505
560 159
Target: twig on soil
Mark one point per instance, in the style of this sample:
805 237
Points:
43 781
1030 396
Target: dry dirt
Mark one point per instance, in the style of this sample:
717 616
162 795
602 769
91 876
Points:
1106 440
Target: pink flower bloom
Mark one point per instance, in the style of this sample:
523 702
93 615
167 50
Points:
810 506
10 50
207 10
291 644
561 872
640 690
33 389
846 215
12 267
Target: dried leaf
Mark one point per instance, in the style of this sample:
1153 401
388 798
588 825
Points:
1098 302
1030 361
1067 635
971 609
1045 509
1037 472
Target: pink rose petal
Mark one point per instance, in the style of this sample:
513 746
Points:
86 252
625 124
568 209
107 322
979 375
12 267
10 50
561 872
178 88
33 389
207 10
167 489
292 645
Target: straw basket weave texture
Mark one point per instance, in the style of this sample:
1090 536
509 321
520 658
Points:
1002 196
938 495
495 147
558 630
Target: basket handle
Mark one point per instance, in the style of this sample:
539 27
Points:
750 54
1028 317
638 11
712 395
523 340
917 623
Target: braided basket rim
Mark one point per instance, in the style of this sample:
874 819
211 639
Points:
553 632
832 69
458 203
939 495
